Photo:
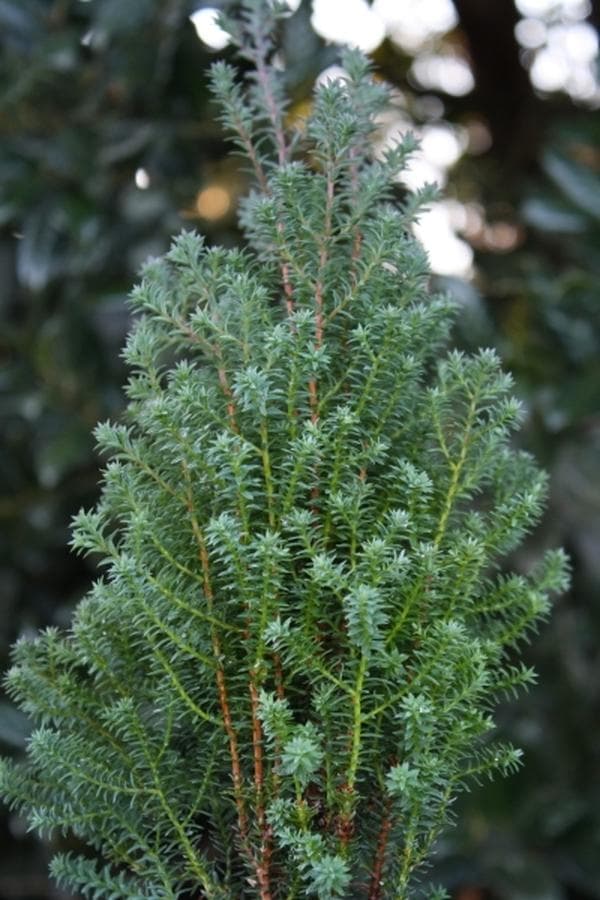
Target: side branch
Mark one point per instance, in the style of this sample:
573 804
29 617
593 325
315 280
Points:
264 77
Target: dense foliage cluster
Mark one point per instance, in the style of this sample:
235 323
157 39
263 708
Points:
288 671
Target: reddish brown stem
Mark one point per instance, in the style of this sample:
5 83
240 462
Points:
280 691
228 393
263 77
287 288
263 864
285 276
236 768
382 842
319 310
344 821
252 156
313 400
263 73
257 746
260 866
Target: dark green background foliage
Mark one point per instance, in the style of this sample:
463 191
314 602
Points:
76 121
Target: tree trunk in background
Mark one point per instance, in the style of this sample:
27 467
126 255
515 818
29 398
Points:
503 89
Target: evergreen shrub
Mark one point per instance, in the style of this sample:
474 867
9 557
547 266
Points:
287 672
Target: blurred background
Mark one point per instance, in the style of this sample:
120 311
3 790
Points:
109 145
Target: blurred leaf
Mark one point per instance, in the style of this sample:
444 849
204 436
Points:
22 20
38 257
126 139
552 216
116 16
577 182
529 881
61 451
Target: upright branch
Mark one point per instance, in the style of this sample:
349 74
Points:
325 239
223 694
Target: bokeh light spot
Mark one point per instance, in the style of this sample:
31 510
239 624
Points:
213 202
412 23
441 145
531 33
568 9
448 254
550 71
357 25
142 179
331 74
205 21
578 41
293 5
445 72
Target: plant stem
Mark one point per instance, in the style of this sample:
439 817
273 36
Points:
345 822
382 842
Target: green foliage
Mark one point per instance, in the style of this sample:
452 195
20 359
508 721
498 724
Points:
289 669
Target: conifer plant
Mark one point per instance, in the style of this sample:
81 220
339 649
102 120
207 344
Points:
287 672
